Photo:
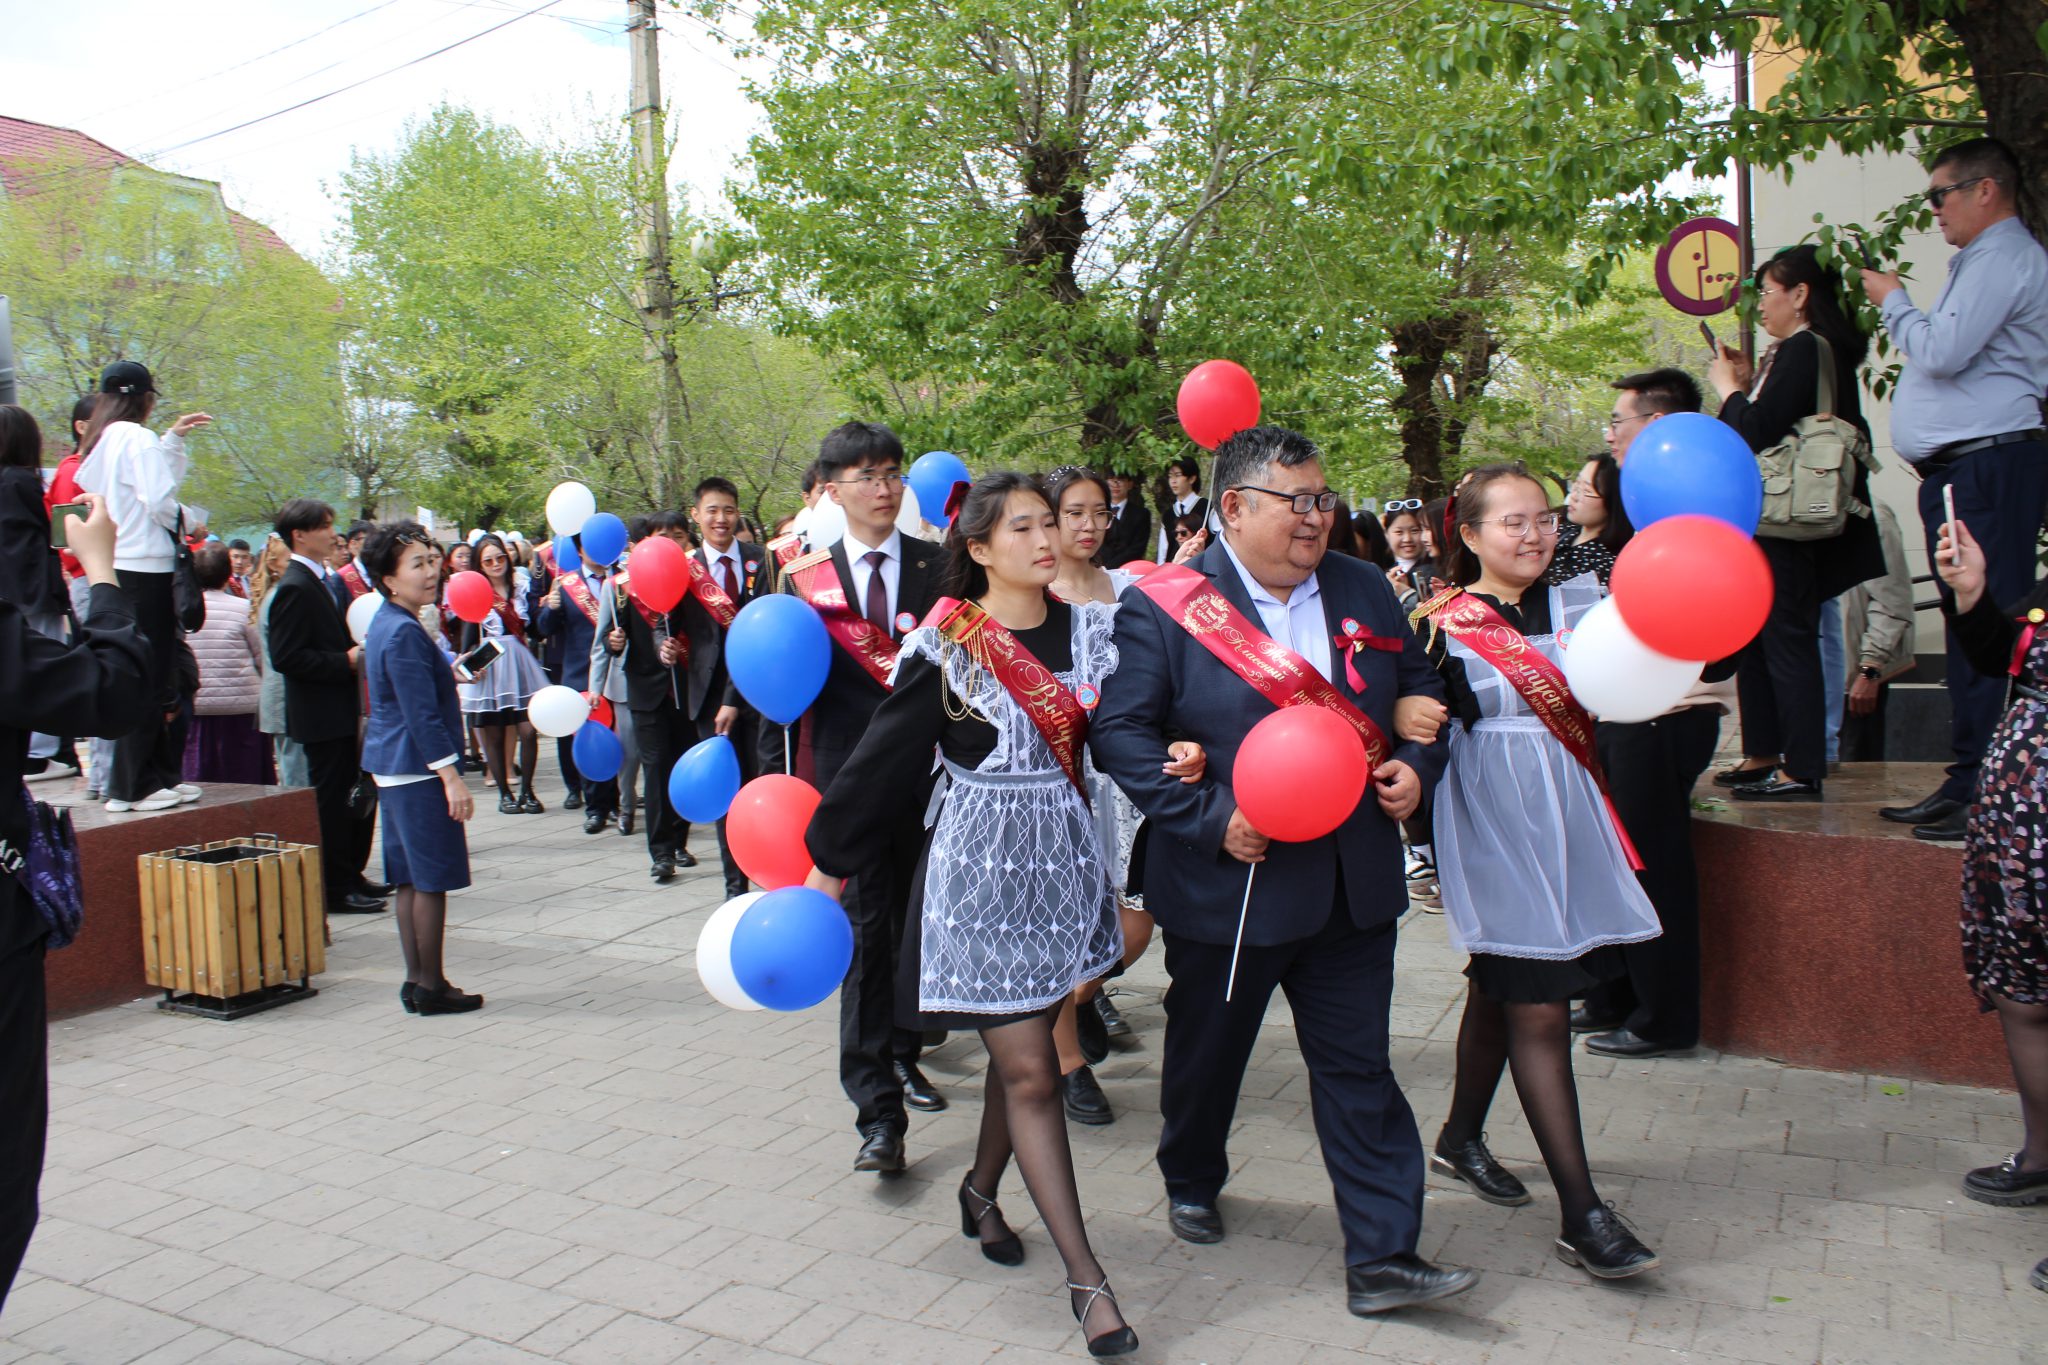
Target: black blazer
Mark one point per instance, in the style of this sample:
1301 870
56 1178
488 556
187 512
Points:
709 681
1130 536
309 645
1167 684
840 715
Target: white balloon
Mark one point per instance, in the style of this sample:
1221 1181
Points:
714 953
828 523
569 506
359 613
558 712
1618 677
802 521
910 517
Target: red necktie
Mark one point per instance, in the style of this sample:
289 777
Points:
732 588
878 592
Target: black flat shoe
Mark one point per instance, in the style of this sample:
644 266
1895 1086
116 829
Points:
1777 789
686 859
508 804
1201 1224
1472 1163
1605 1248
1113 1022
1933 808
448 1000
573 801
1085 1101
1401 1282
881 1150
1583 1020
1625 1043
1948 829
1742 775
1092 1032
918 1093
626 824
1003 1251
1119 1341
593 822
405 993
529 804
2006 1185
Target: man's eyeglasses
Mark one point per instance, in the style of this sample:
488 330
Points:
1404 505
1302 503
1074 516
1615 424
1518 525
872 480
1941 192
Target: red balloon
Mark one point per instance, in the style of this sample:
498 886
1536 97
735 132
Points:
1138 568
1657 583
765 829
1218 399
660 572
600 710
1300 773
470 596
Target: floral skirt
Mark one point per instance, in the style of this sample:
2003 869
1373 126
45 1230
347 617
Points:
2005 864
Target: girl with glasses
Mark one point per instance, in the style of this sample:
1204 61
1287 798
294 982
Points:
496 701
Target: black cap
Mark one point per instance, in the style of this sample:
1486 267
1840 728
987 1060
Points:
126 376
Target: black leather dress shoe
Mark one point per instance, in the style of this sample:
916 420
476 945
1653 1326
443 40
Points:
1742 774
1583 1020
1402 1282
1777 789
1092 1033
593 822
626 823
1472 1163
2039 1279
1201 1224
2006 1185
881 1150
1948 829
733 889
1113 1022
918 1092
685 858
1605 1248
1625 1043
573 801
1085 1101
369 888
664 869
1920 812
355 903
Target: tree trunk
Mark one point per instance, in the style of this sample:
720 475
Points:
1443 363
2012 83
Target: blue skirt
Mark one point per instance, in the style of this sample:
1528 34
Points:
423 847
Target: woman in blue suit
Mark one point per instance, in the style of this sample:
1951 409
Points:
413 750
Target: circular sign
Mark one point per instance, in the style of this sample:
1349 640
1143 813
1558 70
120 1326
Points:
1699 270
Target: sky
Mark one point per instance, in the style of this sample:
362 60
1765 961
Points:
146 76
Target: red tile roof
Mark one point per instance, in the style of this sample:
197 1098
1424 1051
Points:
24 144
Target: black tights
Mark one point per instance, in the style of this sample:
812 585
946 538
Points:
422 924
2026 1044
1022 1112
498 742
1536 1041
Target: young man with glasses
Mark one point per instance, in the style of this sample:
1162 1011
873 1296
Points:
1967 416
871 588
1130 530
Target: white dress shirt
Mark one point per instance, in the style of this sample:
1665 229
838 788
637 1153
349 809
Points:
731 554
320 571
1298 623
1181 507
892 570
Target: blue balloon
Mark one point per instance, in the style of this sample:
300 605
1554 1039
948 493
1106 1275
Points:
932 476
598 753
603 537
565 554
791 948
778 654
1688 462
705 780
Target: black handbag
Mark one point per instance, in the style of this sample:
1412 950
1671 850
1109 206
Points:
186 595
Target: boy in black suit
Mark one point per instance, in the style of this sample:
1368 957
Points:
735 568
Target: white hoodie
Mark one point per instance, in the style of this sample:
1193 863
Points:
138 473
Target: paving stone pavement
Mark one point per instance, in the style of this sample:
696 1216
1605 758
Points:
605 1166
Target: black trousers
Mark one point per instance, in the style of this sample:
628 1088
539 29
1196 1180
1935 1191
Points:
2001 495
1651 768
565 754
1779 680
1340 985
331 763
151 758
662 735
24 1089
744 738
1863 736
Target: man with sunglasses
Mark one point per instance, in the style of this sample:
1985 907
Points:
1967 416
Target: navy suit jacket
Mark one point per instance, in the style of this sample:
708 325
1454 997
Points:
414 716
567 631
1167 684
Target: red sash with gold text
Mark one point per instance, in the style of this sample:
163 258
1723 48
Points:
817 582
709 595
577 589
786 548
353 580
1055 712
1477 626
1279 674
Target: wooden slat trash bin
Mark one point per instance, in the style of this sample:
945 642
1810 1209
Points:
227 926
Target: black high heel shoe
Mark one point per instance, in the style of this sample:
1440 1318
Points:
1010 1250
1119 1342
447 1000
405 998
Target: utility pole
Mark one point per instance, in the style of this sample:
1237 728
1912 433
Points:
655 300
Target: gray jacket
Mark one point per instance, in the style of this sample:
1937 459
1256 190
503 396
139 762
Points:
270 701
1877 616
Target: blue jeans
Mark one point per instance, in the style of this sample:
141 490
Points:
1834 671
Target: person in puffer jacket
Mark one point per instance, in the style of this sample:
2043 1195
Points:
225 744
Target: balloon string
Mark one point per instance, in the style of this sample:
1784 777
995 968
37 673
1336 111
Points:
788 762
1251 870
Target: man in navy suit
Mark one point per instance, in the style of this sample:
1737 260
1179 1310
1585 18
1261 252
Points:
1322 917
565 616
735 568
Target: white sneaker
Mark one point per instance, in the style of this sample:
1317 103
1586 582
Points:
56 772
186 792
162 800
